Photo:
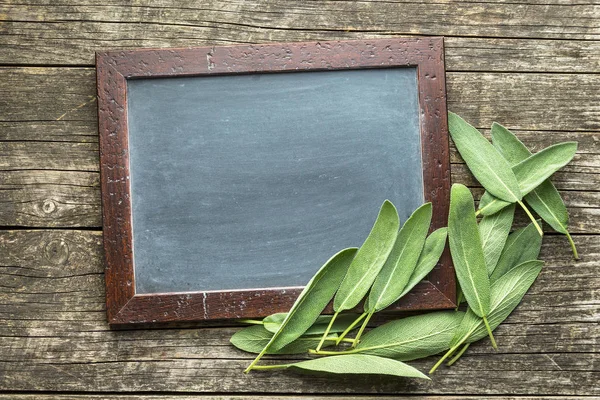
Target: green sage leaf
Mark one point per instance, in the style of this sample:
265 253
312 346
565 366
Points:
532 171
494 230
359 364
545 199
412 337
487 165
273 322
522 245
369 259
466 250
254 339
401 263
506 294
313 299
432 251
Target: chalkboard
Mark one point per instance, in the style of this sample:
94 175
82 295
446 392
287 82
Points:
225 190
273 173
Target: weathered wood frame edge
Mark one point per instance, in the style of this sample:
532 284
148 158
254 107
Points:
115 68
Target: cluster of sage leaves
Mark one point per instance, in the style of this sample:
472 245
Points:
494 267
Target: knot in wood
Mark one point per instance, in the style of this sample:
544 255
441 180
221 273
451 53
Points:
49 206
57 252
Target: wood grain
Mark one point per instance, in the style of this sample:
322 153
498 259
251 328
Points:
482 36
532 65
52 323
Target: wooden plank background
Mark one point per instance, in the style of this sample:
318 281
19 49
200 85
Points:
533 65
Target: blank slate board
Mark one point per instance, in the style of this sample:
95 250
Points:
225 188
274 173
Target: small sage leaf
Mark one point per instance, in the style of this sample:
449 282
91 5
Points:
466 250
522 245
401 263
273 322
545 199
254 339
369 259
412 337
487 165
494 230
432 251
506 294
358 364
311 302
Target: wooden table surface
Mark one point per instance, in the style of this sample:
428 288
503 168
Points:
531 65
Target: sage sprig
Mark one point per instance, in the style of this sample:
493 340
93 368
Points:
368 262
544 199
398 268
467 253
506 294
310 303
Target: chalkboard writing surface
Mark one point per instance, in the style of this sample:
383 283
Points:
273 173
229 174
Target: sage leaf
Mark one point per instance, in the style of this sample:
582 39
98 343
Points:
494 230
311 302
545 199
506 294
369 259
358 364
412 337
522 245
432 251
487 165
532 171
535 169
401 263
273 322
254 339
467 251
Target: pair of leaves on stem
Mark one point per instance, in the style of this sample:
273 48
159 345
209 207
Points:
505 295
508 171
396 262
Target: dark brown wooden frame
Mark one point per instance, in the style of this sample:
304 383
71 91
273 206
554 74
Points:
124 306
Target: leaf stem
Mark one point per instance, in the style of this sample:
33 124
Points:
352 325
448 353
264 367
489 329
327 330
531 217
460 353
333 353
362 329
575 255
459 299
251 321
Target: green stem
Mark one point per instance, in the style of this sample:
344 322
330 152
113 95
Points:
460 353
575 255
264 367
352 325
477 213
448 353
531 217
251 321
489 329
362 329
333 353
258 357
327 330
